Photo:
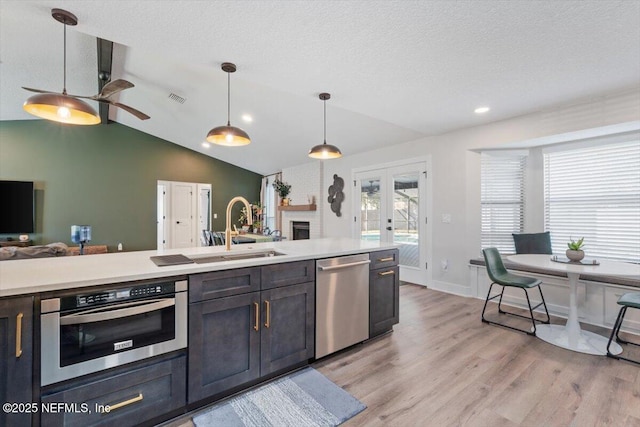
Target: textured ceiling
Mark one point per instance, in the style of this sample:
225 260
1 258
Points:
397 70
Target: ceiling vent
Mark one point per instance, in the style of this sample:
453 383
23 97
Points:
176 98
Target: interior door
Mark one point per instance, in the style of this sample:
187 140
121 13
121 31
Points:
162 227
183 207
393 207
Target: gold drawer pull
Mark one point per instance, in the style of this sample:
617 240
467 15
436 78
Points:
19 335
268 322
104 409
385 259
386 273
256 327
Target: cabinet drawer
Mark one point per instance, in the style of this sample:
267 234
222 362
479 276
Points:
383 259
225 283
134 396
290 273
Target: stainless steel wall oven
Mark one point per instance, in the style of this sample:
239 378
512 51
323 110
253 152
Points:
90 331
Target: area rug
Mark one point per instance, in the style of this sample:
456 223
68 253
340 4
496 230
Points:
304 398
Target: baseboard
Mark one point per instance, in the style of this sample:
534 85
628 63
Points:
452 288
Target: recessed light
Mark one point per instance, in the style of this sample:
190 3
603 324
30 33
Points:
206 145
481 110
247 118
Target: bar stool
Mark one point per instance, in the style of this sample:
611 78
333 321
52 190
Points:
500 276
630 299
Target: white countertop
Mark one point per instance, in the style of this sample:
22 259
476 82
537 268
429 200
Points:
26 276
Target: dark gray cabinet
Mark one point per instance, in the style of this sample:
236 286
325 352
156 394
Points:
224 344
288 334
384 292
237 339
16 359
126 397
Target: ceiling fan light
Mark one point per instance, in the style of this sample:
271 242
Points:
325 151
229 136
62 109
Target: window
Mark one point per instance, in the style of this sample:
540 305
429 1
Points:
269 202
594 192
502 199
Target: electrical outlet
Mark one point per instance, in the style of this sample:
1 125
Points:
215 216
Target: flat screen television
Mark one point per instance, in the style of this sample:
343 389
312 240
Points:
17 212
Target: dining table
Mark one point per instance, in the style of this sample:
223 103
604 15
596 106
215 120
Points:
570 335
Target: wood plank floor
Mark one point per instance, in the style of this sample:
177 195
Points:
443 367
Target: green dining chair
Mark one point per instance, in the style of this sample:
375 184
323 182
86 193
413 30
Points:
630 299
500 276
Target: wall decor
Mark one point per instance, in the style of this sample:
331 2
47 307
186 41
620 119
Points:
336 196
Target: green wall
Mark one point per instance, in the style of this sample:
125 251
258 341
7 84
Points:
106 176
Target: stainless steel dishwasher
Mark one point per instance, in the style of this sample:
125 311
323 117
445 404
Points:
342 303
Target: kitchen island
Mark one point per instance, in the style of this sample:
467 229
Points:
235 319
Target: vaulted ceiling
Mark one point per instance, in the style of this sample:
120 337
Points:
396 70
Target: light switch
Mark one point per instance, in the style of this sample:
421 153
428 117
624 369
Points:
446 218
215 216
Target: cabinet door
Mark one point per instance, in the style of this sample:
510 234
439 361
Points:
224 344
384 300
16 358
288 327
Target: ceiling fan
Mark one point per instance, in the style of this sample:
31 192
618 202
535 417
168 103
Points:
64 108
109 89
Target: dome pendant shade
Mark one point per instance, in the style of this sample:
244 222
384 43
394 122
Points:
61 108
229 136
324 150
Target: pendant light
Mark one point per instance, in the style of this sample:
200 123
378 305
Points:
59 107
324 150
228 135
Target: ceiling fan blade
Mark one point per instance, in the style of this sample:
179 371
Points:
38 90
113 87
137 113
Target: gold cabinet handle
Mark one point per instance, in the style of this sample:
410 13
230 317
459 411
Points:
386 273
385 259
268 320
113 407
256 326
19 335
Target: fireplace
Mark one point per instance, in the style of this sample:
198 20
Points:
300 230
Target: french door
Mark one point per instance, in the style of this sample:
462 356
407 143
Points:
391 207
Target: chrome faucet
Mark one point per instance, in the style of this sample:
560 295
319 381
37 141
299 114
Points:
227 230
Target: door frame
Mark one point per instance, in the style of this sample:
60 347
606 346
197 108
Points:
426 194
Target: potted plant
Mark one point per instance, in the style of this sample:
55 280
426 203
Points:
283 189
575 252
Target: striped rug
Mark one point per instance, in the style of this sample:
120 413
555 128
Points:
303 399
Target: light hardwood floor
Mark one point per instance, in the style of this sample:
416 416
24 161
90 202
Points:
443 367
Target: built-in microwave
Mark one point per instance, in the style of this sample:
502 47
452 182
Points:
91 331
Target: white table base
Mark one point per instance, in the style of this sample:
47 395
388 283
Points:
586 342
571 336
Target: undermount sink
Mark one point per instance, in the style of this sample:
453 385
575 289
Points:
234 257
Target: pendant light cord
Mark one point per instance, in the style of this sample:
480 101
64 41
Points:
64 62
228 98
324 101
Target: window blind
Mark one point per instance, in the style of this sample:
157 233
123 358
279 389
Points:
502 199
594 192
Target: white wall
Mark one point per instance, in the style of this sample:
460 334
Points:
306 181
456 175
